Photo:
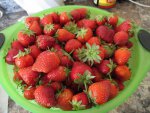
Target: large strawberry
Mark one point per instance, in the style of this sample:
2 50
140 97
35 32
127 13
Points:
29 93
44 95
97 74
36 28
47 19
94 40
64 18
29 20
100 20
50 29
34 51
45 62
29 77
17 45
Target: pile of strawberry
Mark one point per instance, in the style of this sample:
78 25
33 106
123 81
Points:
71 60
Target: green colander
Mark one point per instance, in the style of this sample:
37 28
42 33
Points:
139 65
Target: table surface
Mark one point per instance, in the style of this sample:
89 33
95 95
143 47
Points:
139 102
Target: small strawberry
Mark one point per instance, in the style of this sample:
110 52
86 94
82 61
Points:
45 62
29 93
129 44
122 73
97 74
120 84
36 28
64 18
17 45
100 20
122 55
113 20
114 90
29 20
47 19
94 40
29 77
84 34
34 51
121 38
50 29
87 23
55 17
56 86
45 42
44 95
64 35
26 37
79 101
64 99
99 92
72 44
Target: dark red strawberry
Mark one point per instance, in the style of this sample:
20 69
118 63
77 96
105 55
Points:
34 51
17 45
29 93
120 84
45 42
94 40
97 74
87 23
44 95
36 28
129 44
45 62
112 20
56 86
29 77
101 20
50 29
55 17
64 18
75 15
44 80
83 12
47 19
29 20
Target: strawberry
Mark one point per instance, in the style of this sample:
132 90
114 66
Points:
100 20
99 92
64 99
59 74
114 90
83 12
47 19
17 45
45 62
50 29
56 86
26 37
105 33
123 73
112 20
34 51
36 28
57 47
84 34
129 44
80 101
64 18
121 38
29 20
44 80
45 42
29 93
94 40
122 55
17 77
29 77
97 74
64 35
55 17
75 15
120 84
44 95
75 55
72 44
87 23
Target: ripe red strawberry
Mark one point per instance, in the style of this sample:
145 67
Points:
87 23
26 37
36 28
57 47
79 101
100 20
72 44
75 15
121 38
17 77
59 74
45 62
123 73
29 93
47 19
100 91
17 45
84 34
113 20
122 55
114 90
75 55
56 86
55 17
29 77
83 12
105 33
50 29
120 84
45 42
94 40
44 95
34 51
29 20
64 18
129 44
64 35
97 74
64 99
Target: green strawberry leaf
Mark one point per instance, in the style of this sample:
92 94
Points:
77 105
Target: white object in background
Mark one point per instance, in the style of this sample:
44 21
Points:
3 101
34 6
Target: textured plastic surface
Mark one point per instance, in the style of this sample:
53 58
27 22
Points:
139 65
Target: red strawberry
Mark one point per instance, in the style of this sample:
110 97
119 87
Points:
120 84
121 38
89 24
97 74
57 47
75 15
45 96
72 44
64 99
83 12
75 55
29 77
129 44
47 19
34 51
45 62
45 42
17 77
44 80
84 34
59 74
26 37
100 20
94 40
55 17
64 35
100 91
105 33
64 18
80 101
36 28
50 29
113 20
29 93
114 90
56 86
123 73
17 45
122 55
29 20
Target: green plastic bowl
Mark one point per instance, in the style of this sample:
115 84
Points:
139 64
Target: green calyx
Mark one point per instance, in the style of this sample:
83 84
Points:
67 54
77 105
28 32
72 27
49 27
90 54
82 32
110 48
20 53
20 85
67 71
111 66
90 98
100 17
